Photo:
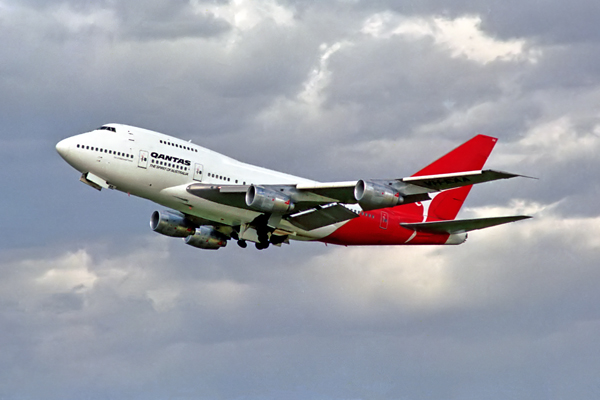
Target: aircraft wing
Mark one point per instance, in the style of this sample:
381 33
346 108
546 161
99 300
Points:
411 188
460 226
307 196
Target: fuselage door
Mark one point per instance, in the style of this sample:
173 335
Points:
198 168
384 220
143 161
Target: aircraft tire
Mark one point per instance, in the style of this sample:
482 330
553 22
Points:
262 246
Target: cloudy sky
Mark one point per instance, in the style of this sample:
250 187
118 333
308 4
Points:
94 305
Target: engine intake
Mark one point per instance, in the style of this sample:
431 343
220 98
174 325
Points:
268 200
206 237
171 223
371 195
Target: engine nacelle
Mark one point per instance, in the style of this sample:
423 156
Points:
206 237
372 196
171 223
268 200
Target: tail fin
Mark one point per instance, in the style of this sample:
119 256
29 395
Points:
470 156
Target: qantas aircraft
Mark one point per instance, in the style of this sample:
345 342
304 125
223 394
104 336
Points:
212 198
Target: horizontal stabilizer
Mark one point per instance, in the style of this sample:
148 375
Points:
460 226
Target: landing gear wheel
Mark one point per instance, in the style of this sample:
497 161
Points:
261 246
242 243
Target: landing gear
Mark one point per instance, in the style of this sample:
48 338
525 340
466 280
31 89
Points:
262 245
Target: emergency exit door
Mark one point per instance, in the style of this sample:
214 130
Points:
198 168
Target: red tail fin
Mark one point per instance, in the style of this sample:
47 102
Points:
470 156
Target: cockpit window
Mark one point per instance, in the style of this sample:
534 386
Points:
107 128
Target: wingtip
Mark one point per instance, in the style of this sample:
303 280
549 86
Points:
522 217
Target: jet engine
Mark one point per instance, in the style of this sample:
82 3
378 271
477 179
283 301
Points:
171 223
268 200
206 237
371 195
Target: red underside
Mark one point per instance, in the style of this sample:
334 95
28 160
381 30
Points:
383 228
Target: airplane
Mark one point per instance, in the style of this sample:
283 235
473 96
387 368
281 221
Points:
212 198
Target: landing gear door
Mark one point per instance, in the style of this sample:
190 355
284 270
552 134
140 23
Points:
143 160
198 172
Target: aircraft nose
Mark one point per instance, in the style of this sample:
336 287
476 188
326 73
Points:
62 148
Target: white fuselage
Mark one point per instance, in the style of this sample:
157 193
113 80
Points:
159 167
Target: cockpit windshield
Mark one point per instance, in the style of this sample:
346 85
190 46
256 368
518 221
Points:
107 128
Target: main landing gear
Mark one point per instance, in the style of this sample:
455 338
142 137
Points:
264 233
259 245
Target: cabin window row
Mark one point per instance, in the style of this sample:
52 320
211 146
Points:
178 146
223 178
116 153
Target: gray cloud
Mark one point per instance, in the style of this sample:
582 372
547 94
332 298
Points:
93 305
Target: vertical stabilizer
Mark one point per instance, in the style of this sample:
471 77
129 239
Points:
470 156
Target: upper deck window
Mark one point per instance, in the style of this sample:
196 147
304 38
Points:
107 128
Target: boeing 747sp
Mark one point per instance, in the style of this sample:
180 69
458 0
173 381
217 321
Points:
212 198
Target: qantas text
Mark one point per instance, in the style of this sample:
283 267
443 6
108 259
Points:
170 158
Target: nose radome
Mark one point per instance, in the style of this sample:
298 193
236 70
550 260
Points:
63 148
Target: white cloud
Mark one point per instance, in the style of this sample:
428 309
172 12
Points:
65 274
305 110
361 280
245 14
319 77
514 207
461 36
561 141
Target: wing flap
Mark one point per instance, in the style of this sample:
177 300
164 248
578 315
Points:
460 226
321 216
229 195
